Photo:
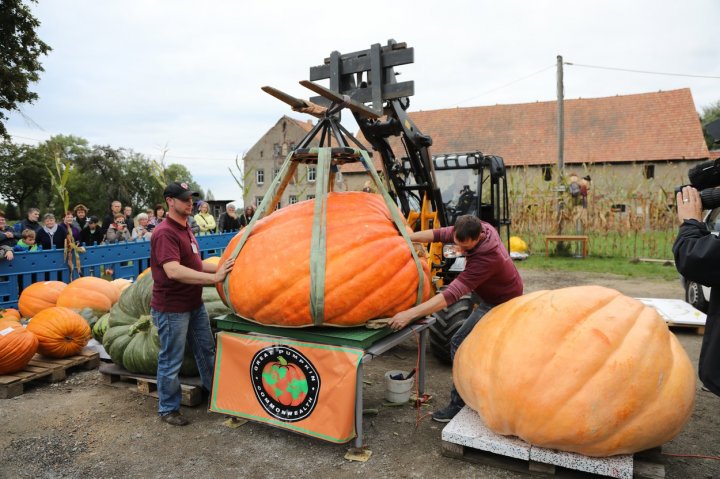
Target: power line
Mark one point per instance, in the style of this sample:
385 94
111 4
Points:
640 71
507 84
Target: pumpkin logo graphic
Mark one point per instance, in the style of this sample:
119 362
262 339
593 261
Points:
285 382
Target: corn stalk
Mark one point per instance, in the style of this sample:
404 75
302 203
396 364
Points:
58 180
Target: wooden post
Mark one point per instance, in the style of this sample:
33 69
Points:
560 141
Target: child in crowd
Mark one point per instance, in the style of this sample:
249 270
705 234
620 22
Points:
27 241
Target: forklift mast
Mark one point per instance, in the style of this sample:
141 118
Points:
368 76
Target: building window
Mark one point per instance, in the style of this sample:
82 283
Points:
310 197
547 173
311 173
278 205
258 200
276 149
276 172
649 171
292 199
260 177
284 149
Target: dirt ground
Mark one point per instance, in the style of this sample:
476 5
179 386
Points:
81 428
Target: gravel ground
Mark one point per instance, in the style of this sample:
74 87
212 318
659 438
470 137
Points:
82 428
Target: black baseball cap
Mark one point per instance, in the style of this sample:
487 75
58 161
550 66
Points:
179 190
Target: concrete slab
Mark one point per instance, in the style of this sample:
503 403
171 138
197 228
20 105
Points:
468 429
676 311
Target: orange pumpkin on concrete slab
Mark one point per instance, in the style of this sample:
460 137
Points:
89 292
17 347
582 369
39 296
61 332
369 273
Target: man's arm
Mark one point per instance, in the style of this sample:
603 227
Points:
403 318
210 274
424 236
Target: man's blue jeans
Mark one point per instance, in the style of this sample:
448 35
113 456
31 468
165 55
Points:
459 336
174 329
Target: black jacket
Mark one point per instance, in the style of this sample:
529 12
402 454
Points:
43 239
697 258
228 223
89 238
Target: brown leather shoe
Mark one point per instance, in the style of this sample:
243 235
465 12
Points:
175 418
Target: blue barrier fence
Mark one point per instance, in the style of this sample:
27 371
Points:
127 260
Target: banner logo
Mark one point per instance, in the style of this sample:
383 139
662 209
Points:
285 382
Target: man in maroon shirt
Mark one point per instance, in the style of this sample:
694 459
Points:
176 306
489 272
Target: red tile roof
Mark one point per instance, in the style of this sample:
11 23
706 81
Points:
305 125
642 127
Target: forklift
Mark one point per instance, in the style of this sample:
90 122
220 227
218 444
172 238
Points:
432 191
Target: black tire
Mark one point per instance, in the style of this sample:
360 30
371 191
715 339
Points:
447 322
695 297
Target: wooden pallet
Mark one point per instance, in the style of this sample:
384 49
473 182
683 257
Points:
643 467
45 369
693 328
113 375
466 437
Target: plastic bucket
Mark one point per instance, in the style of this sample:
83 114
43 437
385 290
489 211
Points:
398 390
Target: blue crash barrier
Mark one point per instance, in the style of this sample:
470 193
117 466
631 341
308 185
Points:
127 260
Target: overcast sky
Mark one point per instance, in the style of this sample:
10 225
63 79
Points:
185 76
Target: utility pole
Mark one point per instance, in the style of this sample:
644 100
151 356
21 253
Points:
561 141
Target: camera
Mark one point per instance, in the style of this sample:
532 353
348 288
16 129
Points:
705 177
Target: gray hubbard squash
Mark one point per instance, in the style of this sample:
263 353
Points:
131 339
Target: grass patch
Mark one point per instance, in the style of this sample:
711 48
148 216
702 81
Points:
613 265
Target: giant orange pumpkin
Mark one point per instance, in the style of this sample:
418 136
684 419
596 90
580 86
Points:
582 369
89 292
61 332
369 273
17 347
39 296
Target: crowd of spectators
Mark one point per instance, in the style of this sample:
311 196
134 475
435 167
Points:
118 225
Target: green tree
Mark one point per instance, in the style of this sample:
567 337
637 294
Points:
20 49
23 174
709 114
143 190
176 172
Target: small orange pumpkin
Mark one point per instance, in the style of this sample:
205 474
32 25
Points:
61 332
39 296
212 260
10 313
17 347
583 369
89 292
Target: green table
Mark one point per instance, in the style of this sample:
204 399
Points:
357 337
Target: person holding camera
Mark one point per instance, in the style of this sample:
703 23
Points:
697 258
